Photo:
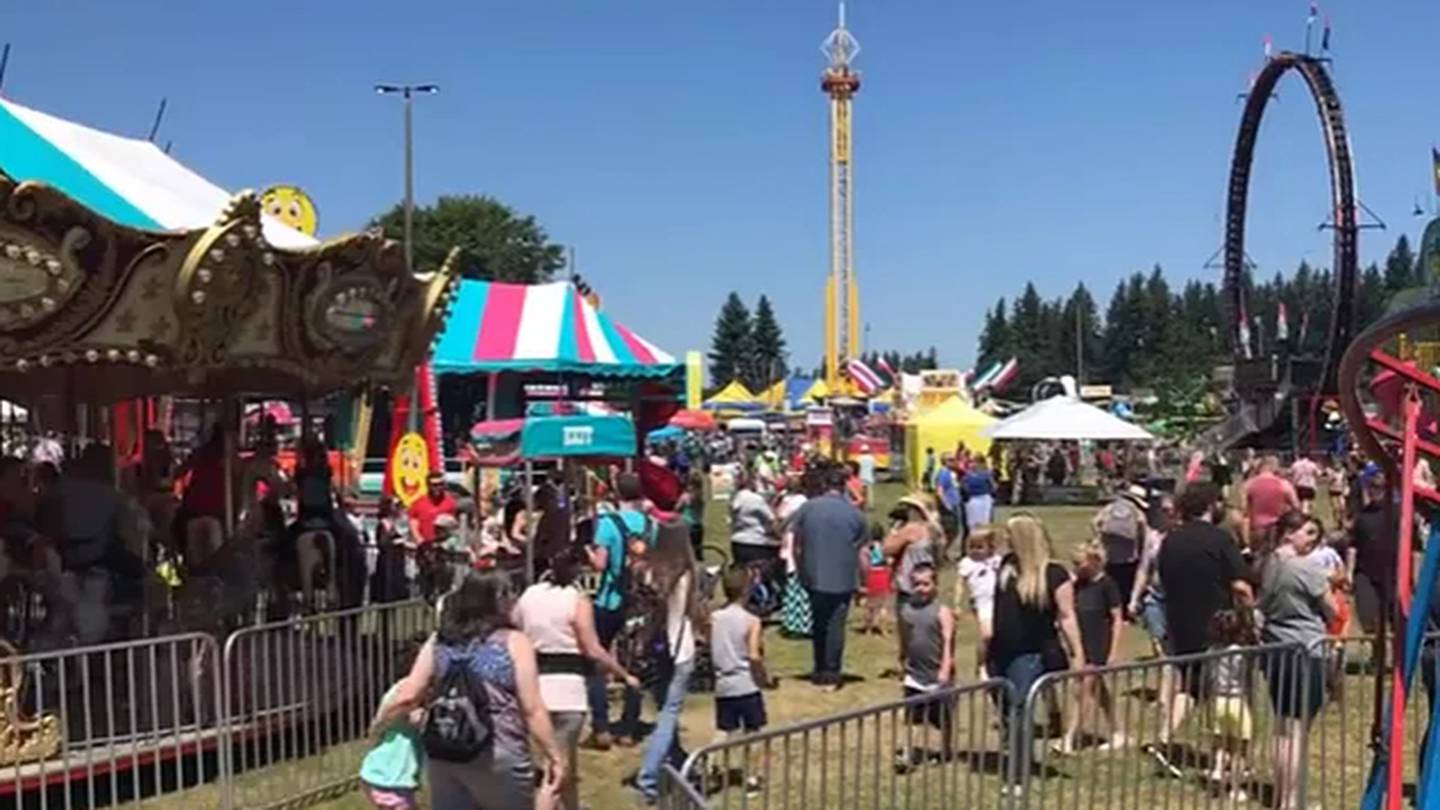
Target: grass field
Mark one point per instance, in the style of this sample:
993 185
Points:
852 763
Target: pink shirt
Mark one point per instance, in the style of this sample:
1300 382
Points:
1267 497
1305 473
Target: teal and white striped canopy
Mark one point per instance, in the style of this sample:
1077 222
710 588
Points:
128 180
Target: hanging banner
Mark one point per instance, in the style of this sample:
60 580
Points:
409 468
694 380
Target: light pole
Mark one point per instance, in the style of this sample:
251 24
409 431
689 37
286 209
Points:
408 91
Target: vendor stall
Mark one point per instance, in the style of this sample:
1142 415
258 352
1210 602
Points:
943 427
1067 418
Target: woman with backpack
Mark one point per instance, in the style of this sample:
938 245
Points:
665 581
478 682
1121 527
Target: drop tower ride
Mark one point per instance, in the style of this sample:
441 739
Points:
842 297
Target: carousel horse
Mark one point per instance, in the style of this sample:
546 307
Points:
315 552
22 740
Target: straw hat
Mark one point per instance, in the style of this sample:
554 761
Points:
919 501
1136 494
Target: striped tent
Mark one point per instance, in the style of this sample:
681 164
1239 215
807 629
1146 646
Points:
128 180
495 326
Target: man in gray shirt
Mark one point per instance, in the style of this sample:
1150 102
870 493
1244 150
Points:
829 532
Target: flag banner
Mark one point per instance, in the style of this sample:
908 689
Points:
864 377
1325 35
1282 323
1244 333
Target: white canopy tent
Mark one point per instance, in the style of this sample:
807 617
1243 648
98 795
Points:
1066 418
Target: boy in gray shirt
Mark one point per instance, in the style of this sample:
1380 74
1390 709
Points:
738 655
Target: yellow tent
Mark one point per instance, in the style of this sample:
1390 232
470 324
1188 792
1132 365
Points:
817 391
733 397
774 396
942 427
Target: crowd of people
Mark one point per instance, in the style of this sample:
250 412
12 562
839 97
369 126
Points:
1222 565
1204 572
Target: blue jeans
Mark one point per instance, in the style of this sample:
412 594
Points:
665 740
1022 672
607 625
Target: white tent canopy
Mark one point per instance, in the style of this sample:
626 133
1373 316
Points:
1065 418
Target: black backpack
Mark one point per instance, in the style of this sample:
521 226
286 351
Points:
457 726
642 646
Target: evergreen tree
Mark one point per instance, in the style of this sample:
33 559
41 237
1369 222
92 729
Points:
1400 269
1027 333
731 345
995 341
1080 336
767 347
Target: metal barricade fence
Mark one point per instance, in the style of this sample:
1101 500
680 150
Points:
1343 740
301 694
1212 729
939 749
111 724
678 794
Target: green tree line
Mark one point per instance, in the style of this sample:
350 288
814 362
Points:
1158 336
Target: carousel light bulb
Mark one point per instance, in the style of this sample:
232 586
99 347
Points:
45 360
32 256
217 255
250 231
133 355
47 303
198 296
267 258
232 239
12 251
22 365
52 266
204 275
92 355
113 355
151 360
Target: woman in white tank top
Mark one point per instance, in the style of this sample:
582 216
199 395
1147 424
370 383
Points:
559 620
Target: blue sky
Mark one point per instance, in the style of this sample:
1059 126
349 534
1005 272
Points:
680 146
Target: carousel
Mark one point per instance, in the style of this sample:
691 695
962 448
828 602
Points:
125 279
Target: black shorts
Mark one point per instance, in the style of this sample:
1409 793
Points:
934 712
743 713
1305 493
1194 679
1297 690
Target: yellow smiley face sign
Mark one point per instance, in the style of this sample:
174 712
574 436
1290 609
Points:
409 467
291 206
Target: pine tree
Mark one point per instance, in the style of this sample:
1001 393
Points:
1400 269
767 343
731 345
995 341
1079 336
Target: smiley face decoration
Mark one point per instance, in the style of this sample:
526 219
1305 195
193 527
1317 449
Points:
291 206
409 467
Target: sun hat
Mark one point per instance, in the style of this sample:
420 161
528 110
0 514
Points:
1137 495
918 500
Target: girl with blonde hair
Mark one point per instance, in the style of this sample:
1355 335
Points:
1034 606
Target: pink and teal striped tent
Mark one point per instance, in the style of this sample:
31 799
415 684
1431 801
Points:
495 326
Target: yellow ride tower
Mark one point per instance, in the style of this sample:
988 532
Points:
842 296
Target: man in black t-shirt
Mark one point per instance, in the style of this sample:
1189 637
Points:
1202 573
1374 533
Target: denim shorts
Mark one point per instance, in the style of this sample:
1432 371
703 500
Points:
1152 618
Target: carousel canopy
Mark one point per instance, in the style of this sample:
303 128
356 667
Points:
1066 418
123 273
128 180
496 326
